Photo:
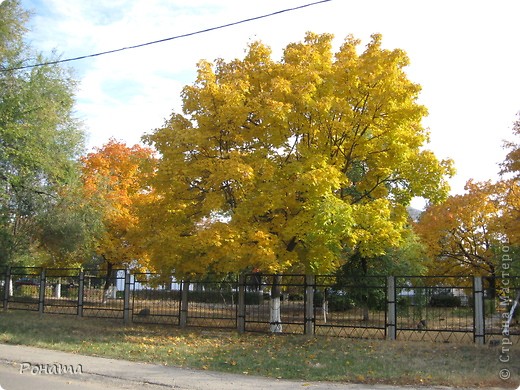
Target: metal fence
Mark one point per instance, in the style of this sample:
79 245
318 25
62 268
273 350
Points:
61 291
438 309
24 288
352 307
435 308
155 299
211 302
499 295
102 296
258 316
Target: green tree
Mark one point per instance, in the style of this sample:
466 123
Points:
39 138
284 165
365 273
68 231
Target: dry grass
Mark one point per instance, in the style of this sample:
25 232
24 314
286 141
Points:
291 356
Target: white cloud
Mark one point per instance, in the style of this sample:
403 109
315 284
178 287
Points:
463 53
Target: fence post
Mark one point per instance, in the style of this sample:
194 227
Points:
126 305
81 293
7 288
310 281
183 319
41 301
391 312
241 315
479 336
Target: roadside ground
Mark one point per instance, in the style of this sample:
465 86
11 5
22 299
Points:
24 367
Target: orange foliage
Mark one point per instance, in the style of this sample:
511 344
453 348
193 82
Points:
113 177
463 233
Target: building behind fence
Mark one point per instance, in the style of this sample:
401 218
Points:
441 308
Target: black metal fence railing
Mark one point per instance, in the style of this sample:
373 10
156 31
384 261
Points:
155 299
61 290
499 296
212 302
285 314
437 308
24 288
352 307
102 296
3 288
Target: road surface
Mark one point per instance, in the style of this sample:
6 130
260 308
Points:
23 368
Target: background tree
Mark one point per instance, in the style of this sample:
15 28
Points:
283 165
463 233
511 164
112 181
39 138
69 230
510 189
410 258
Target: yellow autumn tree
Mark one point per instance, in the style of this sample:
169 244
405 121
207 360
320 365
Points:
510 189
466 234
463 233
284 165
112 177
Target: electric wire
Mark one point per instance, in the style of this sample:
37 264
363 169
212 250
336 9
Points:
166 39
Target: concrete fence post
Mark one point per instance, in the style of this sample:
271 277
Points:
127 317
479 335
81 292
391 309
183 319
41 300
241 310
7 288
310 281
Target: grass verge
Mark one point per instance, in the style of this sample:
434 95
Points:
289 357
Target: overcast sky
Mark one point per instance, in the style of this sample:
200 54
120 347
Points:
464 53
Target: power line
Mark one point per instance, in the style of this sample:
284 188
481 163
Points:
167 39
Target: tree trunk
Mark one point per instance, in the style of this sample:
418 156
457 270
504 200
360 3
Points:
108 278
364 267
275 318
57 289
325 305
366 315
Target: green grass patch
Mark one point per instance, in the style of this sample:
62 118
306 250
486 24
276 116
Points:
284 356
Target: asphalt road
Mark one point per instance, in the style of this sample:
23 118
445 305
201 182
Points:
23 368
11 379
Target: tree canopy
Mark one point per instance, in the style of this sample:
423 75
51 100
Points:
112 177
284 165
39 138
463 233
466 235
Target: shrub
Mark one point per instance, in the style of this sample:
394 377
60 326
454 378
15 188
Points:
27 291
337 300
445 300
340 302
212 296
